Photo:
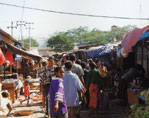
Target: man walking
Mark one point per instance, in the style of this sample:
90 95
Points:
72 85
46 77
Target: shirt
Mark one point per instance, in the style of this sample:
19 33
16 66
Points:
94 77
72 84
3 107
56 92
77 69
46 75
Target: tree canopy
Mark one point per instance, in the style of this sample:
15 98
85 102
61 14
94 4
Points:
34 43
60 43
63 41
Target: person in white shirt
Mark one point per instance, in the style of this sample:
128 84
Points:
5 106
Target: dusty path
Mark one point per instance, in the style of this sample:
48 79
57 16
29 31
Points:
36 106
115 111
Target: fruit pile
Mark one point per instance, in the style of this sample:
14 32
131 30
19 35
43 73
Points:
139 111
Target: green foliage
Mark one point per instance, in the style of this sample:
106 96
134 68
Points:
83 35
95 36
139 111
75 34
134 107
60 43
34 43
102 37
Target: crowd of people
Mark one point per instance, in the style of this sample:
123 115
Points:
71 85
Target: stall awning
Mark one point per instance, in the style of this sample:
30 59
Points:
22 52
9 41
132 38
4 36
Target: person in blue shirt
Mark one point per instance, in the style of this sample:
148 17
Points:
72 85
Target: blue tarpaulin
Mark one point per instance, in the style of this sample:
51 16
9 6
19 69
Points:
106 49
93 53
144 35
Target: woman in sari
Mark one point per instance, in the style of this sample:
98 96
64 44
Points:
93 84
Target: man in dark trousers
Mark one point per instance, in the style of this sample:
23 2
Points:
46 76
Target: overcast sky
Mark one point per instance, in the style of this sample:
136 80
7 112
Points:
47 23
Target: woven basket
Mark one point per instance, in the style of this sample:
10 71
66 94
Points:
37 98
25 112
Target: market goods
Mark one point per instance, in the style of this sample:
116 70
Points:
25 112
145 93
139 111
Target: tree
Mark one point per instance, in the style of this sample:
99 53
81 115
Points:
95 36
34 43
74 34
60 43
102 37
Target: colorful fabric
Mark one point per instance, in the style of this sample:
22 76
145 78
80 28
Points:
93 90
9 57
132 38
26 90
56 92
46 75
72 85
103 71
2 58
94 77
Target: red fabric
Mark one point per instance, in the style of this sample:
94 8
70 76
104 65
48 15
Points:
93 90
65 58
132 38
26 90
2 58
9 57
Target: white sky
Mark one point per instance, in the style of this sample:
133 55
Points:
46 23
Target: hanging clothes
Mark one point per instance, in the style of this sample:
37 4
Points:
9 57
2 58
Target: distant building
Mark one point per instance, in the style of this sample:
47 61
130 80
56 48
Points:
113 26
44 51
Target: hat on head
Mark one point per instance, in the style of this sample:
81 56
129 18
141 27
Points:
26 81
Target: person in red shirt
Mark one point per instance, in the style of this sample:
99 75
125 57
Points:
26 92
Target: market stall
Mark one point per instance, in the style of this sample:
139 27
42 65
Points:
11 51
135 53
11 84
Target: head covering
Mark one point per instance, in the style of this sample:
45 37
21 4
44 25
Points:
26 81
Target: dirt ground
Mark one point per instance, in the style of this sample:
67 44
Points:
115 110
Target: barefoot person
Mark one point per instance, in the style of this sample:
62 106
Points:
5 106
26 92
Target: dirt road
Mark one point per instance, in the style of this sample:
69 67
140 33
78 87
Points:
114 111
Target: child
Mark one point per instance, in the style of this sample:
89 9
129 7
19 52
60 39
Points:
58 108
26 92
5 106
